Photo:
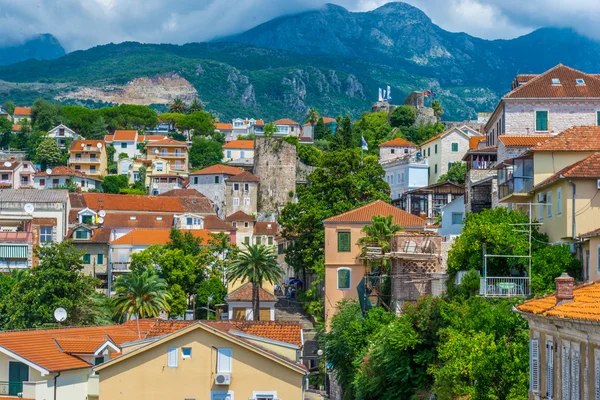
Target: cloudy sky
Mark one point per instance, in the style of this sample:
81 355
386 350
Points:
80 24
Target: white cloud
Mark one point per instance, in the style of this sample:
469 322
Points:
80 24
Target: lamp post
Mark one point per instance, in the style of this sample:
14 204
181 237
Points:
209 299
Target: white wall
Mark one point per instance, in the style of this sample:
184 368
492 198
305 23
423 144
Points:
405 176
131 150
206 185
456 206
62 181
389 153
236 154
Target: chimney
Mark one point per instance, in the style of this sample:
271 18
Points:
12 158
564 289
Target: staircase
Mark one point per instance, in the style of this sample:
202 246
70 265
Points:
291 310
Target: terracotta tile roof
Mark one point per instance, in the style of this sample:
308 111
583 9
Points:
76 144
77 202
239 216
144 325
244 293
13 165
366 213
128 202
125 135
218 169
585 305
167 142
149 237
109 138
588 168
166 327
40 348
579 138
265 228
150 138
182 193
79 346
101 235
22 111
475 140
523 140
142 220
66 171
282 331
440 135
541 86
285 121
484 150
223 126
239 144
259 122
243 177
214 223
16 127
398 142
198 205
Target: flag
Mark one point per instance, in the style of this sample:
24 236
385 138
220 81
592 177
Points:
364 143
429 92
433 93
389 95
380 96
425 93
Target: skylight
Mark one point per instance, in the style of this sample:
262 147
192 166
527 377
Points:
580 81
555 81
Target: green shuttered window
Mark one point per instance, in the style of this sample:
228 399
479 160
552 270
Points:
541 121
343 241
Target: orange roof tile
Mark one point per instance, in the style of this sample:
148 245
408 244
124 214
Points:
165 327
239 216
588 168
398 142
65 171
265 228
239 144
166 142
259 122
223 126
125 135
150 138
285 121
475 140
22 111
243 177
16 127
138 220
182 193
128 202
523 140
214 223
585 305
76 144
579 138
109 138
244 293
218 169
80 346
366 213
542 86
281 331
149 237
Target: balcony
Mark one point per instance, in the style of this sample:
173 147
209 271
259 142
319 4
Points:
171 155
505 287
10 388
515 185
120 266
84 160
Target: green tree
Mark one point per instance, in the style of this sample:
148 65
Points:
214 288
104 310
205 152
178 302
57 281
49 154
375 128
403 116
457 173
255 265
9 106
140 184
422 132
141 295
269 130
97 129
437 108
321 131
129 116
114 183
5 132
308 154
110 154
380 233
343 138
177 106
196 105
199 123
312 118
44 115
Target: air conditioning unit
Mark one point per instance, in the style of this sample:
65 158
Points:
598 183
223 379
541 197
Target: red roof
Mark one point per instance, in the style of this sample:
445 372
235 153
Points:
149 237
265 228
244 293
214 223
239 144
76 144
166 142
579 138
16 127
366 213
129 202
125 135
243 177
109 138
65 171
281 331
544 86
182 193
137 220
475 140
223 126
150 138
239 216
522 140
588 168
398 142
285 121
22 111
218 170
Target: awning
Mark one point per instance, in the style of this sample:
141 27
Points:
13 251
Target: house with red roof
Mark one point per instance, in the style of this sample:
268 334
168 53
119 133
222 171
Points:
20 114
175 152
130 141
62 177
210 181
239 153
16 174
395 148
287 127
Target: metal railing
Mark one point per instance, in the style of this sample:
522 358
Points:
515 184
11 388
505 286
84 160
120 265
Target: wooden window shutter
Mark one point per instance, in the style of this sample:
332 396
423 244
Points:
550 370
343 241
566 372
575 387
534 365
597 379
172 357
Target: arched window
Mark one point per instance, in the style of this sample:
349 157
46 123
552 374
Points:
344 278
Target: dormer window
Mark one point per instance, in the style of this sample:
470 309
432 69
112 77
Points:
269 226
580 81
555 82
132 218
86 216
159 218
81 234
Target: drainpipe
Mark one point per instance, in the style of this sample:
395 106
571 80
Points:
55 378
574 229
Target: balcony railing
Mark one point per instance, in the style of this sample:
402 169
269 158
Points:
121 266
171 155
84 160
515 184
11 388
505 287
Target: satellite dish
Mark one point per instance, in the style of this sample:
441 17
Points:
48 171
102 213
155 151
99 145
100 220
60 314
29 208
82 145
7 163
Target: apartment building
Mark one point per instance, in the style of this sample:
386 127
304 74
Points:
240 151
175 152
130 142
63 177
16 174
88 156
63 135
405 173
241 194
210 182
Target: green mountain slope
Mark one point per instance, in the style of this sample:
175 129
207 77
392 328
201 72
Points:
41 47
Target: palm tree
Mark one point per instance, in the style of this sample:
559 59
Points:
142 295
255 265
195 106
178 106
312 118
379 233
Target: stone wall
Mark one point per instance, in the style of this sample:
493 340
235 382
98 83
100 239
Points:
275 165
477 194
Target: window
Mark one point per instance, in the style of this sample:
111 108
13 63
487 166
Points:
247 240
405 151
549 369
92 156
597 123
246 201
392 151
186 352
216 179
246 187
42 182
435 169
123 145
555 81
228 154
234 224
246 224
549 202
454 147
575 373
236 201
541 121
428 151
566 370
100 259
449 165
534 366
242 154
159 167
457 218
196 180
224 360
257 240
559 202
270 240
45 234
580 81
93 168
87 259
236 186
163 152
343 278
78 167
55 182
540 212
81 234
343 242
435 149
98 360
172 357
4 177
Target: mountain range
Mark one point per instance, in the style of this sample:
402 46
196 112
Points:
41 47
330 58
